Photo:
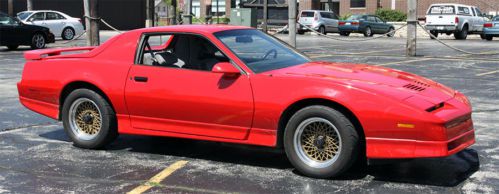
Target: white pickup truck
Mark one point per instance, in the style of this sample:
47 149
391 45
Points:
456 19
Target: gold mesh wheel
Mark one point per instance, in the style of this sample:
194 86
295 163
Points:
85 118
317 142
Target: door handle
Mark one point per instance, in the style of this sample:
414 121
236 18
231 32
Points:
140 79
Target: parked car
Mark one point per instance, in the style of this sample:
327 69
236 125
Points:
14 33
365 24
59 23
491 29
456 19
322 21
239 85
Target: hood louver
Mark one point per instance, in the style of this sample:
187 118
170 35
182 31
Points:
414 87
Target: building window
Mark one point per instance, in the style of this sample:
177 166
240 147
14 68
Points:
357 3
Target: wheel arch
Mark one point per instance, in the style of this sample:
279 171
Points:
293 108
68 88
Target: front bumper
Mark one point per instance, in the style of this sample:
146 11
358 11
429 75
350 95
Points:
441 28
400 148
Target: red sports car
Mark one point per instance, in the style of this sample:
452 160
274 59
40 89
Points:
239 85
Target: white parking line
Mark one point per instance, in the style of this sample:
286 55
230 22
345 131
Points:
403 62
488 73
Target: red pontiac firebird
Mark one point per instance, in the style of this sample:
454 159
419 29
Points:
239 85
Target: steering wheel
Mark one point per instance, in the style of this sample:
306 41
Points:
268 53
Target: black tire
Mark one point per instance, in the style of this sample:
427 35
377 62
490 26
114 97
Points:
345 33
489 37
483 37
392 33
13 47
38 41
301 32
322 30
349 141
434 33
368 32
108 130
70 36
463 34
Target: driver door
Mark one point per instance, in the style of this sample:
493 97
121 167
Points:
187 98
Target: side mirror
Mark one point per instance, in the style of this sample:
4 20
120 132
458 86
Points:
225 68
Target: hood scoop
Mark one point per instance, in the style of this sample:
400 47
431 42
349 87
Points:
417 86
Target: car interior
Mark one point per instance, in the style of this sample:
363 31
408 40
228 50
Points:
184 51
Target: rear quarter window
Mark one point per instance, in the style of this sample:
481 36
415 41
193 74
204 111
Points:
463 11
441 9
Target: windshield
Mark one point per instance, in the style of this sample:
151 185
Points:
441 9
24 15
355 17
259 51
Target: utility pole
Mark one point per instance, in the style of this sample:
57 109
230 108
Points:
149 13
411 27
92 25
292 22
10 7
29 4
218 14
265 15
187 17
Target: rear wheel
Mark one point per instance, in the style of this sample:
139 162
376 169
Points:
368 32
88 119
320 142
489 37
38 41
463 34
13 47
68 33
322 30
301 32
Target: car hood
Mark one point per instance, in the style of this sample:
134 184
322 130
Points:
396 84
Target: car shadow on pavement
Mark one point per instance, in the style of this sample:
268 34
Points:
448 172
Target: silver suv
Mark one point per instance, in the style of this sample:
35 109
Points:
322 21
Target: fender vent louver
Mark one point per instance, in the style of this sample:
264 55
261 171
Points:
414 87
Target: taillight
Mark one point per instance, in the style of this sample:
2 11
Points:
488 25
456 20
341 23
316 17
355 23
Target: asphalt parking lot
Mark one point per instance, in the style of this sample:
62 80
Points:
37 157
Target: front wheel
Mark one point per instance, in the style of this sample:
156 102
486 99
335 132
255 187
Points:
88 119
38 41
68 33
320 142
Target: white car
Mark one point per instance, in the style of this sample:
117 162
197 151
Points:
456 19
60 24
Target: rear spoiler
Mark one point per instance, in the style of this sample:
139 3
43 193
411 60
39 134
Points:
44 53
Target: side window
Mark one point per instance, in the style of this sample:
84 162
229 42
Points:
463 11
51 16
37 17
379 20
184 51
324 15
371 19
335 16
